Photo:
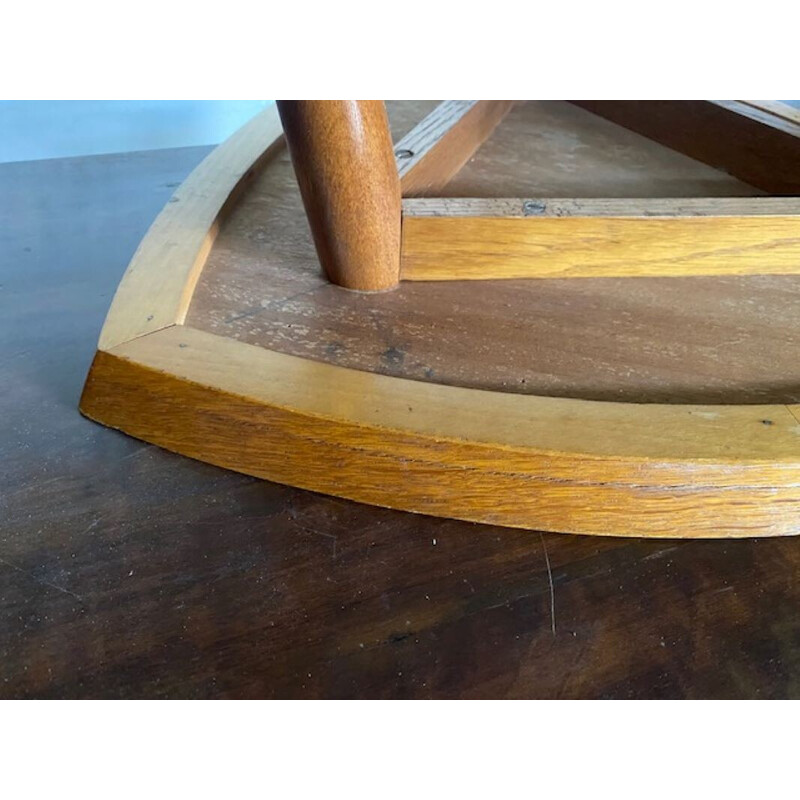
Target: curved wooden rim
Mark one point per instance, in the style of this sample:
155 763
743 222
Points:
539 462
157 287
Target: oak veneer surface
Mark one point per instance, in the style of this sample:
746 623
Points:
126 571
458 246
698 340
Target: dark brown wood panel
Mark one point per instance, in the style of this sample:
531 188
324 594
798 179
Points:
759 147
555 149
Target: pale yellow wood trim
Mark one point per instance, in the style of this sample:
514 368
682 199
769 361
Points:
441 143
478 248
534 462
157 286
733 436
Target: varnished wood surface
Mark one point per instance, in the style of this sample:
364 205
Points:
555 149
476 244
442 142
157 287
346 171
755 144
662 471
555 464
129 572
652 340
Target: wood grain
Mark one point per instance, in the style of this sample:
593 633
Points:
602 207
754 144
157 287
481 239
434 151
343 160
552 464
496 457
663 340
556 149
130 572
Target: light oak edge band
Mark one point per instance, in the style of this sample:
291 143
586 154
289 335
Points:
478 239
455 452
157 287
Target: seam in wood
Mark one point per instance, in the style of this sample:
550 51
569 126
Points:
114 349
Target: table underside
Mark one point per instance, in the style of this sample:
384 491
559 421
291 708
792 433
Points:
712 340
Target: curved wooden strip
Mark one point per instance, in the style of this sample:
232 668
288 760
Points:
542 463
157 286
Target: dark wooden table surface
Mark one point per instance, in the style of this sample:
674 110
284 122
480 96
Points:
126 571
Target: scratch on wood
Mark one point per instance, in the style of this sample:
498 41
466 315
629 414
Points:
40 581
552 590
659 553
135 452
320 533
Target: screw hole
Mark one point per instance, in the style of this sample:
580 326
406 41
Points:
532 207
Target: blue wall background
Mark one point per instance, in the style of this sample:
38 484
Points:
37 129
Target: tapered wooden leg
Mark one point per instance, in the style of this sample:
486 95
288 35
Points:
345 166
